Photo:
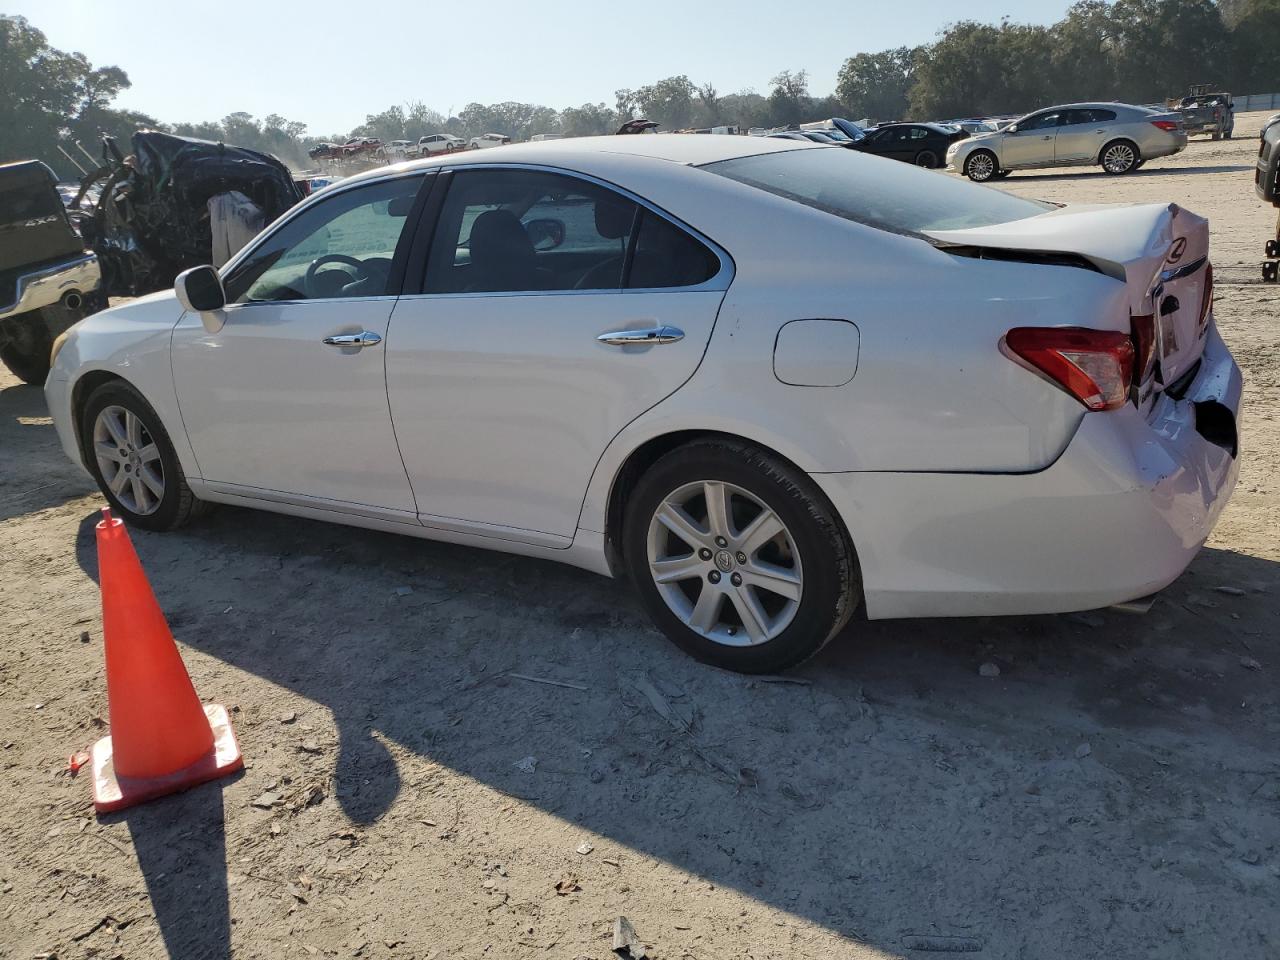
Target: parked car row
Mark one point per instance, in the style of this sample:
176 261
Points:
923 144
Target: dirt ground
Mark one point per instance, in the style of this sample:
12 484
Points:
409 793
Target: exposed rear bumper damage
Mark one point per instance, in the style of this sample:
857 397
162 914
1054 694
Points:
1118 516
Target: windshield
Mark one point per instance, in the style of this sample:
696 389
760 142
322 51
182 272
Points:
880 193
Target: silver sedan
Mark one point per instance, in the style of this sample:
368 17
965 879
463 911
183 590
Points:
1116 136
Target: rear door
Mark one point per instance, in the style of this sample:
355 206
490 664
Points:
553 311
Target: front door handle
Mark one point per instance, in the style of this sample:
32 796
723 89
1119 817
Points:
365 338
1050 137
622 338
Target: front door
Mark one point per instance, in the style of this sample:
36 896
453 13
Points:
503 394
282 403
1033 144
1081 135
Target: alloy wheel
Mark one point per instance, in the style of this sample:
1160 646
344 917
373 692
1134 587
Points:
1119 157
981 167
129 460
724 563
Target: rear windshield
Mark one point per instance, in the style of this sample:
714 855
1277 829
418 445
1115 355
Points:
886 194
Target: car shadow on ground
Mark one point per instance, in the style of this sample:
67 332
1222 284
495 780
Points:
1140 174
887 763
47 478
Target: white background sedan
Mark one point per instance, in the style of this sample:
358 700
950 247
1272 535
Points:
908 396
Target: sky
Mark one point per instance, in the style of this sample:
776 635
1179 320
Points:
329 63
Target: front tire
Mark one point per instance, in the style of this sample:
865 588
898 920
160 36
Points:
1120 157
129 453
739 557
981 165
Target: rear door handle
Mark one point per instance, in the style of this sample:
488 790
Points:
622 338
365 338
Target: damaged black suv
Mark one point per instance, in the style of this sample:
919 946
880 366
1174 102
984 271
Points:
48 280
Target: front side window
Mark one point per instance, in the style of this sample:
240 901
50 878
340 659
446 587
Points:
515 231
895 197
1041 122
340 247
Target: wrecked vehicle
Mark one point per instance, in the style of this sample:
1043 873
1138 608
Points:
1204 110
48 280
158 209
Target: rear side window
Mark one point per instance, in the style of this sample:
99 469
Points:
523 231
880 193
666 256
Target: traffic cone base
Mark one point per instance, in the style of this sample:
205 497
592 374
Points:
112 792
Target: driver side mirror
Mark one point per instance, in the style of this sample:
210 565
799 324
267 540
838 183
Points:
1012 128
545 234
200 290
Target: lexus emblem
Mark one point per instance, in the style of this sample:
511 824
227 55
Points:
1176 250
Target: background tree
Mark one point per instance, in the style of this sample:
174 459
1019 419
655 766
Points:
669 102
789 101
1255 54
877 85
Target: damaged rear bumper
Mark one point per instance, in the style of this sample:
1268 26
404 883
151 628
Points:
1117 517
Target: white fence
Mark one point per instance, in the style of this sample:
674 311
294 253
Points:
1257 101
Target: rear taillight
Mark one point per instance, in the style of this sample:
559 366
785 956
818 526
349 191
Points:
1168 125
1144 347
1094 366
1206 298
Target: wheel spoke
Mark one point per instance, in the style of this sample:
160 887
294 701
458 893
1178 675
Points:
754 620
717 497
706 612
775 579
133 429
674 569
681 524
760 531
107 451
114 428
148 453
139 494
152 481
117 482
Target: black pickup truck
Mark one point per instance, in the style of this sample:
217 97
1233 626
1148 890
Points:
48 280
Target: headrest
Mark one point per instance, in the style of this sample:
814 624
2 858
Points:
613 218
497 234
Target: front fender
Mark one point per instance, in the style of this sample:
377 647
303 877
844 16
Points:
130 342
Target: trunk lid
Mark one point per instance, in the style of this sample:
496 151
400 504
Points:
1159 251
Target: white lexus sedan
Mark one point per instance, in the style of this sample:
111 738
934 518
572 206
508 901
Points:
776 384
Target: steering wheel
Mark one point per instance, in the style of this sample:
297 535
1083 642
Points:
311 282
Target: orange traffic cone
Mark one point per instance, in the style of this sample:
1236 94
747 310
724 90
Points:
162 739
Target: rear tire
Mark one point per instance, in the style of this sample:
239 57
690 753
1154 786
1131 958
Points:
138 442
981 165
927 159
761 575
1120 157
27 344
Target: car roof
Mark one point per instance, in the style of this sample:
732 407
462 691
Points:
687 148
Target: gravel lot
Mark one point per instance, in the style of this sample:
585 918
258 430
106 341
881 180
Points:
1115 791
